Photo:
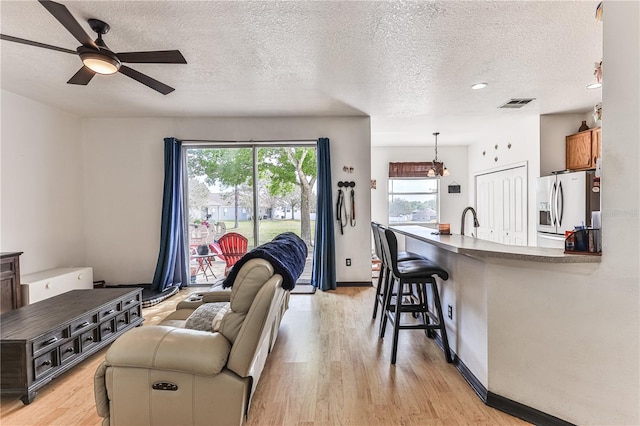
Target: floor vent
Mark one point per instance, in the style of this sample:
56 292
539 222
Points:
516 103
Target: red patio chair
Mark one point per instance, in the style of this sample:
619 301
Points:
232 247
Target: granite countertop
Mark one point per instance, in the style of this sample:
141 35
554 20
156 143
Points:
475 247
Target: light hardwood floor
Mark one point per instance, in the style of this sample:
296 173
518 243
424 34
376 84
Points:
328 367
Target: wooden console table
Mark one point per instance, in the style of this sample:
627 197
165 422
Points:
41 341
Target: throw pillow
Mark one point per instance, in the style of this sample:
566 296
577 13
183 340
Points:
207 317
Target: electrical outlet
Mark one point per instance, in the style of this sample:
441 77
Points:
348 262
450 311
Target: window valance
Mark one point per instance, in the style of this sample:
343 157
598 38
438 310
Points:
418 169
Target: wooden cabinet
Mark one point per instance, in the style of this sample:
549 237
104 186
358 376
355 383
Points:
42 340
596 144
10 293
583 149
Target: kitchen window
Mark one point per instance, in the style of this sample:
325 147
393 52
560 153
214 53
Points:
413 197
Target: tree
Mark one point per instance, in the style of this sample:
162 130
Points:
268 201
227 167
292 200
284 169
198 198
290 167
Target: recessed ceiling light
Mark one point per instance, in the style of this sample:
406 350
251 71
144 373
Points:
479 86
594 86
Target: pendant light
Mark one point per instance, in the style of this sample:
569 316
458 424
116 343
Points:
433 171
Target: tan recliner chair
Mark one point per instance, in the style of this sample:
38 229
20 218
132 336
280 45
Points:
169 375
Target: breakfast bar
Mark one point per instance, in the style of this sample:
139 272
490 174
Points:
512 314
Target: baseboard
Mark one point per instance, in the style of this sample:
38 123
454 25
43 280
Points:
473 381
501 403
354 284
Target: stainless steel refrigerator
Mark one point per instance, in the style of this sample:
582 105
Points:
564 201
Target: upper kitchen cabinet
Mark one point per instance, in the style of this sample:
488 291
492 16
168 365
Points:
583 149
596 144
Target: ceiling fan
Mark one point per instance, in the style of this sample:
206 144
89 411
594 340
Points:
96 57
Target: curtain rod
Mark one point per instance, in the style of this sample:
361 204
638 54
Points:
247 141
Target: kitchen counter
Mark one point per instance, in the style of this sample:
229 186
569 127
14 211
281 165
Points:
518 316
475 247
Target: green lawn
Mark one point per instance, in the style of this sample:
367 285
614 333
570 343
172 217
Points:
268 229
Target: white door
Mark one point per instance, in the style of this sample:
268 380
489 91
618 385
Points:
514 207
486 208
501 198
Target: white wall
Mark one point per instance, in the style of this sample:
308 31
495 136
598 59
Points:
41 184
580 358
620 369
553 130
124 174
522 131
451 205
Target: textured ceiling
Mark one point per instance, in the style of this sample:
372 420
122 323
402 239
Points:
408 65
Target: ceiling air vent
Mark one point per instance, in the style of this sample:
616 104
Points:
516 103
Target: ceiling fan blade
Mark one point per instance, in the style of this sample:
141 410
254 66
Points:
82 77
146 80
36 44
155 57
62 14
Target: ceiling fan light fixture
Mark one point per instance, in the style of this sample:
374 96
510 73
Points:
102 62
594 86
479 86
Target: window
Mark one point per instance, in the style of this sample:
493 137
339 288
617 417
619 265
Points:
245 188
413 198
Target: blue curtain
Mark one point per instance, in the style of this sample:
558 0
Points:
172 263
324 253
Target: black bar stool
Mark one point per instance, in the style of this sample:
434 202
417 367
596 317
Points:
383 276
416 275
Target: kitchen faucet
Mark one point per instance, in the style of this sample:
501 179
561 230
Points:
475 219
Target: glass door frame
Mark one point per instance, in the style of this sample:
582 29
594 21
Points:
254 145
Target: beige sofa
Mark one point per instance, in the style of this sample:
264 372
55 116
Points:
171 375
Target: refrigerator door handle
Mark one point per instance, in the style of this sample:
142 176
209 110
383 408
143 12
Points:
552 204
560 203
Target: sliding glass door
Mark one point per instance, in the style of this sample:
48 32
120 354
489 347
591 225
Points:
257 191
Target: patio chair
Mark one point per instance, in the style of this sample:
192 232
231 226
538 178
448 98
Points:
219 229
232 247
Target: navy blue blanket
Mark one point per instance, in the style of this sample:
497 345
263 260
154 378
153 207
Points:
286 252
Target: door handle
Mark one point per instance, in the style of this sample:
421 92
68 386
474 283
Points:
50 341
560 203
552 203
